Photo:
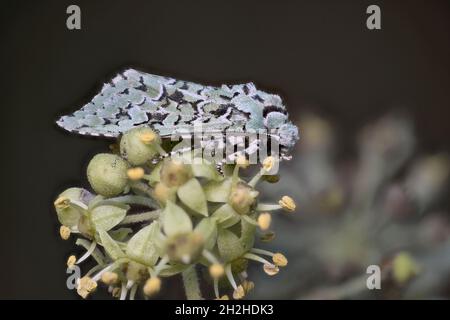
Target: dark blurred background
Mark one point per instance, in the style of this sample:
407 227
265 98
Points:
318 55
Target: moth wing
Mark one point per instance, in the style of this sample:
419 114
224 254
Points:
130 99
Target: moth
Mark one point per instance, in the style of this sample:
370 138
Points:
171 107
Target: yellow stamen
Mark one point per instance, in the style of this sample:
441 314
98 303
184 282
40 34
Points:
64 232
404 267
268 163
85 286
287 203
239 293
267 237
242 162
224 297
280 260
152 286
147 137
110 278
216 270
62 203
271 269
264 221
71 261
135 173
248 286
116 292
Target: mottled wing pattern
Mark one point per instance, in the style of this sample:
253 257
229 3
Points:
134 98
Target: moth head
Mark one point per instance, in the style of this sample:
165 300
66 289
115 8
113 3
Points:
288 135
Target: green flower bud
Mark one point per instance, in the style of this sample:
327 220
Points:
184 248
138 145
175 173
86 227
242 198
69 215
107 174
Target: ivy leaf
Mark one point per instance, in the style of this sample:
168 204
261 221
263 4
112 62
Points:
112 248
175 220
192 195
106 217
141 246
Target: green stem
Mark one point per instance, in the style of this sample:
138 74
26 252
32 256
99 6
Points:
141 217
191 285
137 200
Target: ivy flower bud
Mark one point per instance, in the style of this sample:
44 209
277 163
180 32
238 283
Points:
242 198
69 214
64 232
239 293
152 286
175 173
184 248
287 203
110 278
279 259
71 261
85 286
216 270
136 271
107 174
139 145
135 173
264 221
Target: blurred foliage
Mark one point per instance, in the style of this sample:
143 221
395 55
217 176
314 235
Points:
384 205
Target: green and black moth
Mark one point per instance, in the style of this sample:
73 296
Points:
175 108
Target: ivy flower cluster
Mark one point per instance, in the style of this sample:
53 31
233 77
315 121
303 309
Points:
154 215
